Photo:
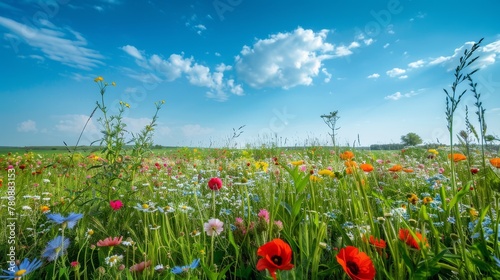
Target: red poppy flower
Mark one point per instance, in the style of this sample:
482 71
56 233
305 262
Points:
377 242
275 254
215 184
406 236
357 265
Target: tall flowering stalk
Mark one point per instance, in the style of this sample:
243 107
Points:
116 171
453 98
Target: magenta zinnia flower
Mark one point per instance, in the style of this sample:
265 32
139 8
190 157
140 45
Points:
116 204
213 227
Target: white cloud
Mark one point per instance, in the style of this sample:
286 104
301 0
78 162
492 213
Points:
368 41
27 126
374 76
75 124
417 64
440 60
287 60
403 77
328 75
398 95
386 45
492 47
191 130
395 96
59 44
133 51
157 69
135 125
395 72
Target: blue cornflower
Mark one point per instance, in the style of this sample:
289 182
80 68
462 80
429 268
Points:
21 270
451 220
55 248
186 268
69 221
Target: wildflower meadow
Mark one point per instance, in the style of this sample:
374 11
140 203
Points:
122 210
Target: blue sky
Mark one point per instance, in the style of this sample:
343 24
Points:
273 66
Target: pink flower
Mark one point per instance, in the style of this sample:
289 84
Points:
264 214
215 184
140 266
75 264
110 241
116 204
213 227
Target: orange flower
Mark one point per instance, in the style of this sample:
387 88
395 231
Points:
406 236
408 170
44 208
457 157
348 170
366 167
396 168
275 254
350 163
357 265
347 155
495 162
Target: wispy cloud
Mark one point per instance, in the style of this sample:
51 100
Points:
133 51
63 45
191 130
27 126
398 95
374 76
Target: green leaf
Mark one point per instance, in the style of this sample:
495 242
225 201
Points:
459 195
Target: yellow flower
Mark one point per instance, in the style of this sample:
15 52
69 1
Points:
44 208
314 178
127 105
326 172
427 199
297 162
113 84
433 151
413 198
262 165
473 212
163 102
98 79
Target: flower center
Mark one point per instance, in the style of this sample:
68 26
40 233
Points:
353 267
145 206
20 272
277 260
